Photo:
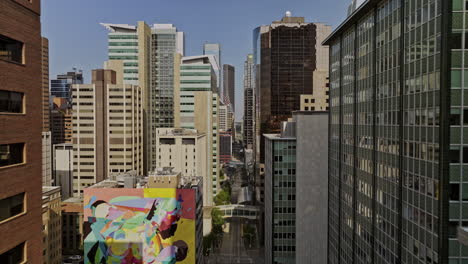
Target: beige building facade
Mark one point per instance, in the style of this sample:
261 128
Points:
52 224
107 129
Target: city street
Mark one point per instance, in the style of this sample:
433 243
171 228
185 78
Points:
233 247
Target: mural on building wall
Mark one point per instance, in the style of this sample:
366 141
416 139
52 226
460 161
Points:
155 225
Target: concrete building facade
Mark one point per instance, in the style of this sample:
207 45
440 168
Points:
63 168
20 131
107 129
184 150
296 184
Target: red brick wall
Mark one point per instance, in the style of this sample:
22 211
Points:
19 20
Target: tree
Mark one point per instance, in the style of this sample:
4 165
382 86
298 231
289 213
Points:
222 197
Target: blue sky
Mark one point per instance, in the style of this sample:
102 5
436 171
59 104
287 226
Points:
77 40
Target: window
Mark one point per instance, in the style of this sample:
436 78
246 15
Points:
465 116
11 154
454 191
11 102
167 141
454 156
11 206
14 255
11 50
465 154
454 117
456 42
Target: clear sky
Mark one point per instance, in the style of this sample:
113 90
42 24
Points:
77 40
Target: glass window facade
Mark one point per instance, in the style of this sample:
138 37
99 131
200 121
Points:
280 200
394 132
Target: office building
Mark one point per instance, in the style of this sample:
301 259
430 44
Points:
229 87
282 76
289 60
52 224
20 132
225 146
310 102
215 50
47 159
61 86
249 103
72 226
167 47
199 104
397 155
296 190
61 121
176 233
223 117
107 129
63 168
45 85
184 150
151 58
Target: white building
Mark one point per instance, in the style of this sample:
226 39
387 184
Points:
63 168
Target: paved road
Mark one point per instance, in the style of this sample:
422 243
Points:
233 249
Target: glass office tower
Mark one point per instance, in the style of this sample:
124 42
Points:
166 43
61 86
215 50
397 184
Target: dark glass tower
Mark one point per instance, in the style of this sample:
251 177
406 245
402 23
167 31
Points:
61 87
396 180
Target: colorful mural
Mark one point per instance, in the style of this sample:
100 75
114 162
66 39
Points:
139 226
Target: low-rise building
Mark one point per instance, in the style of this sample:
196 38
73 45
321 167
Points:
161 222
72 228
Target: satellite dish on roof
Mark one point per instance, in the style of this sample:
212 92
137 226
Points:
288 14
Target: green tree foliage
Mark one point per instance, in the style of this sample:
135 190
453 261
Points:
223 197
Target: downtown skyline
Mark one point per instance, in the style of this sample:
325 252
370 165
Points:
82 43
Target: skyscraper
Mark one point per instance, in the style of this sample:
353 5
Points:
199 108
107 129
61 86
215 50
397 118
296 190
20 132
249 103
229 86
151 58
167 42
45 85
61 121
287 52
289 61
